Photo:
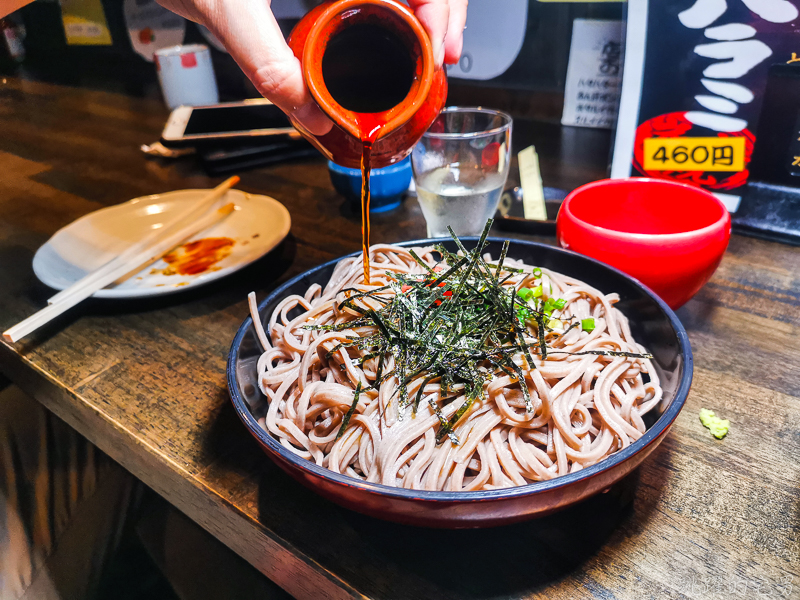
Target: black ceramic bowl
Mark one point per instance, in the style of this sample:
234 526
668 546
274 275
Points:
652 322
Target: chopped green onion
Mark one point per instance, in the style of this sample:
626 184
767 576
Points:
537 272
551 304
538 291
525 293
555 324
587 325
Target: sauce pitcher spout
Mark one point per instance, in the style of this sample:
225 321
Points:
370 67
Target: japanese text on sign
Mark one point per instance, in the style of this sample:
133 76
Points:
592 89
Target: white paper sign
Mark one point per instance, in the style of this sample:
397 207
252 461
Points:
152 27
492 40
594 74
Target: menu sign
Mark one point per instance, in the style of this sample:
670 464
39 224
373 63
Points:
85 23
694 79
591 93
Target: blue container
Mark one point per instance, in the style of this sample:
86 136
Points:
387 185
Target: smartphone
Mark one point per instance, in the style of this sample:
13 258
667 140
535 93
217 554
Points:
230 121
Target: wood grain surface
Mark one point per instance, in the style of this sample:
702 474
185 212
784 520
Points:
145 381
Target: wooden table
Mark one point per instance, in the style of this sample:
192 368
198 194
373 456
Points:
145 381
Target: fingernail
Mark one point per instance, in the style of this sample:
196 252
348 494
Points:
460 49
313 119
438 54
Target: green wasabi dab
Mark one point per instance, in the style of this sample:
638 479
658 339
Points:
718 427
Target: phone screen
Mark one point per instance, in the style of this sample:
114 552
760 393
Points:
229 119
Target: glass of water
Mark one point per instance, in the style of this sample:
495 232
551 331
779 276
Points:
460 169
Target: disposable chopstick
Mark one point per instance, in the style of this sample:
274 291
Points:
197 208
533 204
82 290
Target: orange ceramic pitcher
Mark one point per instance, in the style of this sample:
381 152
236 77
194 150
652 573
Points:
370 67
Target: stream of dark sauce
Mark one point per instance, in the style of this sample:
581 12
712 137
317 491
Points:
366 155
369 128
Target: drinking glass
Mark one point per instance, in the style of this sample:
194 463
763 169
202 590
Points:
460 169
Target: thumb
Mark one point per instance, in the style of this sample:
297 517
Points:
434 16
251 35
280 79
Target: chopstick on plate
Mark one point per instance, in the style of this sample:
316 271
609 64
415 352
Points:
197 208
87 286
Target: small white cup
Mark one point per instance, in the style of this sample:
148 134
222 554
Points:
186 76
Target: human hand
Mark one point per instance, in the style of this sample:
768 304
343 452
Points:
444 20
250 33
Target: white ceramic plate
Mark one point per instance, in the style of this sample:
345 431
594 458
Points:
258 224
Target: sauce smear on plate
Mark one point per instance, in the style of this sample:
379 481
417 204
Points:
197 257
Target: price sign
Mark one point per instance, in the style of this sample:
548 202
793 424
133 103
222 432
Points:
694 154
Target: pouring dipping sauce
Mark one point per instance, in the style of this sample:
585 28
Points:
368 71
369 66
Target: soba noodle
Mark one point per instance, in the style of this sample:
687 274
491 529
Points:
585 407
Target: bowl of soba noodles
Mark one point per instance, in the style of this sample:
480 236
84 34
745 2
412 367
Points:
470 383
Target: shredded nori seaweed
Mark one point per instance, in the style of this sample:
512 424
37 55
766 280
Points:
456 323
351 410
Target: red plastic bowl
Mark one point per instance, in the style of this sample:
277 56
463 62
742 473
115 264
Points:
670 236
